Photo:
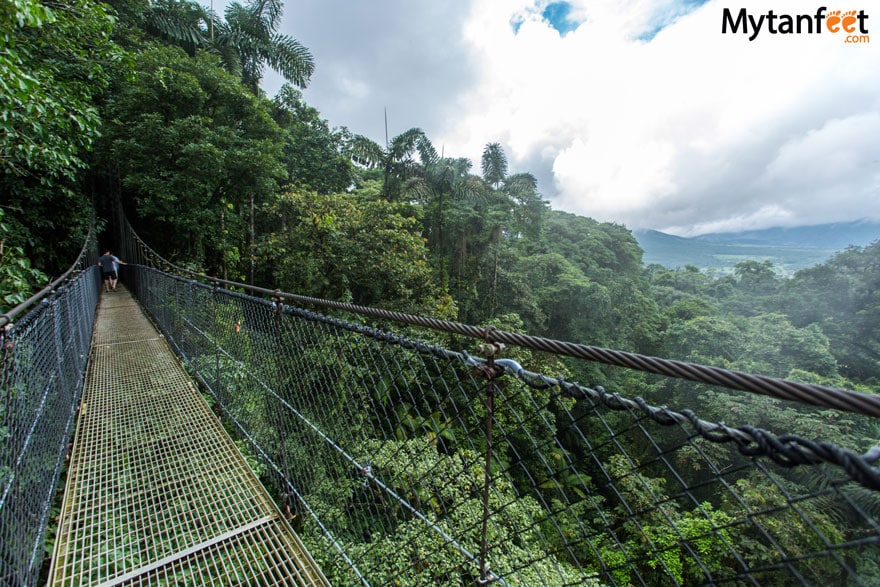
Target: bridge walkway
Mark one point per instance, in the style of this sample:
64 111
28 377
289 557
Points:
157 493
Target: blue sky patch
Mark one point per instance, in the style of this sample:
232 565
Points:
515 23
558 15
667 16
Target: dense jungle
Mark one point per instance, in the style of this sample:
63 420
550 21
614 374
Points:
158 105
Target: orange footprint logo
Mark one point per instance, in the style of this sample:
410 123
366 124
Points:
849 19
833 20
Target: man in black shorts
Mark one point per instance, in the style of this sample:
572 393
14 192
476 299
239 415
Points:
109 269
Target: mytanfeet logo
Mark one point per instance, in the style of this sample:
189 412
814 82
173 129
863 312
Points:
850 25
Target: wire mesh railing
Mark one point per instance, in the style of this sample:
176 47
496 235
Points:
401 462
44 348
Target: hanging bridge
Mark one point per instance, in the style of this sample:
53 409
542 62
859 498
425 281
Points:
211 433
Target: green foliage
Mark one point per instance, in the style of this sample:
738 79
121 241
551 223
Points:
253 462
842 298
666 541
581 282
55 65
411 556
344 247
246 41
193 146
18 279
791 531
314 155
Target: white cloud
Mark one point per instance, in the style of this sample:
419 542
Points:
689 130
646 114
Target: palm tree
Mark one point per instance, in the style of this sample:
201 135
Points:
519 191
246 41
446 185
405 157
251 30
494 165
523 207
180 21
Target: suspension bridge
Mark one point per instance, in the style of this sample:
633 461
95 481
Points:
186 430
156 491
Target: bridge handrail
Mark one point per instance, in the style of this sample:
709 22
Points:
44 350
75 267
805 393
296 382
418 439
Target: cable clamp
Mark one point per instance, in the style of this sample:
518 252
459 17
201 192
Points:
367 472
490 349
486 575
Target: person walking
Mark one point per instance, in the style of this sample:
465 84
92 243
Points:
110 269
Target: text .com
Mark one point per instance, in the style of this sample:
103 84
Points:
850 25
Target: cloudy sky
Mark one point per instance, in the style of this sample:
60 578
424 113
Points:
640 112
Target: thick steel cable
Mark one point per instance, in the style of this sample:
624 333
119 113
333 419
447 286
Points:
365 469
785 450
805 393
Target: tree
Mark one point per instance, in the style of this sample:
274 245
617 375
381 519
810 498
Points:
605 260
494 165
49 120
398 160
17 277
444 183
349 247
251 30
193 147
554 297
246 41
55 64
519 192
842 297
754 280
514 211
315 156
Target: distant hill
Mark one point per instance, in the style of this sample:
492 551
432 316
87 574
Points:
789 249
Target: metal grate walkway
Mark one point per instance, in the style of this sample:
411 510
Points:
157 493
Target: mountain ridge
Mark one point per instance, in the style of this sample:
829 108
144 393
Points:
788 248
